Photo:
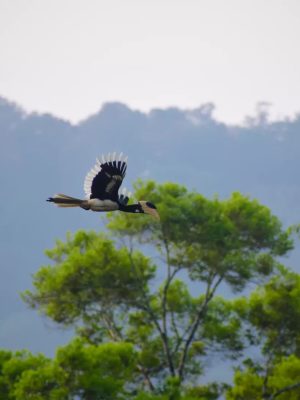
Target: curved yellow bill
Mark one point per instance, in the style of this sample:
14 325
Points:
150 209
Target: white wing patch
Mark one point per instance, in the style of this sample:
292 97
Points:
126 193
109 158
89 178
124 196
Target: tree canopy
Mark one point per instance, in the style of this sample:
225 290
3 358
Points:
144 298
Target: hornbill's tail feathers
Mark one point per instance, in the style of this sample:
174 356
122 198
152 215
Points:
62 200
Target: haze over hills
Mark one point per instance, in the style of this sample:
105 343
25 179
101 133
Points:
41 155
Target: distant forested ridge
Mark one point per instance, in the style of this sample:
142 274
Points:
41 155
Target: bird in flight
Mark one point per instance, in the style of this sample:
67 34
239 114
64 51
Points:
101 187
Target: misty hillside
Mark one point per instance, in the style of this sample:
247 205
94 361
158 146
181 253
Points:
41 155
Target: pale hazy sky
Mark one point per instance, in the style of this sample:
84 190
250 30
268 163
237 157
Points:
68 57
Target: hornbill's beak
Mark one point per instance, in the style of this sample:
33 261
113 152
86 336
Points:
149 208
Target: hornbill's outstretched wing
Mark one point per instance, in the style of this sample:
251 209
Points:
101 186
105 178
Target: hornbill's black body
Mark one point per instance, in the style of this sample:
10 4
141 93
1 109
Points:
102 185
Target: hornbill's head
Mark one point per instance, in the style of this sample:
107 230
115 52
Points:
149 208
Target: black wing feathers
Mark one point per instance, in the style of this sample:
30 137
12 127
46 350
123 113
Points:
104 180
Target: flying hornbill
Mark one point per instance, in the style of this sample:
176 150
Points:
101 187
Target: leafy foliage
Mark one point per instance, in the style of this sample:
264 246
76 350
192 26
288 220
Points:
270 317
87 371
153 335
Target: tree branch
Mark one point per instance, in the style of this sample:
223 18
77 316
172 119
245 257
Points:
170 276
146 307
116 335
285 389
146 376
210 291
267 374
175 328
113 332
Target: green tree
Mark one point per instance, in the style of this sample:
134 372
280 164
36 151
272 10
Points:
79 370
14 367
271 322
112 292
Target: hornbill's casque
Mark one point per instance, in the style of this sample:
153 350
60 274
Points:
101 187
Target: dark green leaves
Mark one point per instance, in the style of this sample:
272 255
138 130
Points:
90 276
